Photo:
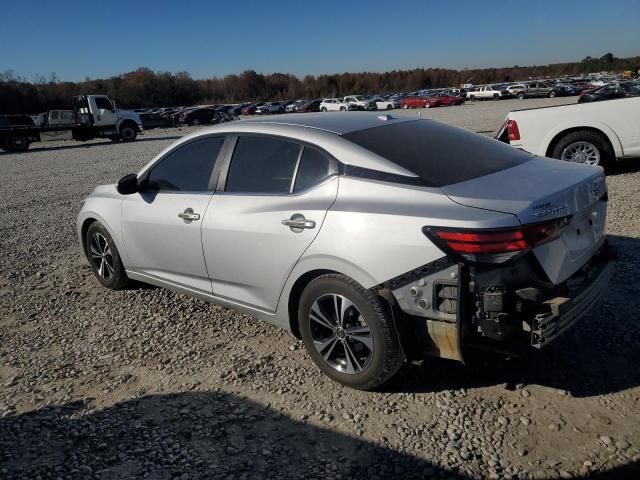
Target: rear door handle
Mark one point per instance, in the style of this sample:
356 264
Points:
189 216
297 222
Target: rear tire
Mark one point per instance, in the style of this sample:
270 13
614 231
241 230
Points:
496 96
359 344
389 107
520 96
570 143
343 109
472 97
104 258
552 94
17 144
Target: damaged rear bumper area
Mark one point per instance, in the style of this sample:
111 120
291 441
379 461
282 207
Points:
562 312
447 307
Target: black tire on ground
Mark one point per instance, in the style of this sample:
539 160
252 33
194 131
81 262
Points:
386 356
342 109
472 97
17 143
496 96
552 94
520 96
323 109
597 139
117 279
389 107
128 132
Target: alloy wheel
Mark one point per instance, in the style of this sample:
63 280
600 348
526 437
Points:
341 334
581 152
101 256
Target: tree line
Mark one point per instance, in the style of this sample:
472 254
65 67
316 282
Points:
146 88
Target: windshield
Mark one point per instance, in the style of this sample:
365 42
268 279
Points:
441 155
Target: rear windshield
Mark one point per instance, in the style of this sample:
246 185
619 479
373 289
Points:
439 154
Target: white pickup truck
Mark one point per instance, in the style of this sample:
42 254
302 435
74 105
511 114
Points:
595 133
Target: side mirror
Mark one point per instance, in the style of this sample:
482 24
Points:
128 184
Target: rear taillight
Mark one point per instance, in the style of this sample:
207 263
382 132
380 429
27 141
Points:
495 246
512 130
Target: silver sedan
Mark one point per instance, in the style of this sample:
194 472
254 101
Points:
374 239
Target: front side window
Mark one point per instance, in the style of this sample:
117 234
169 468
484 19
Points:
186 169
103 103
262 165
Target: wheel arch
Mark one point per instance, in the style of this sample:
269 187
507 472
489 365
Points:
294 297
611 137
84 228
127 121
305 272
88 218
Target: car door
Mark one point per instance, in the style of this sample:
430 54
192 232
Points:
272 198
161 225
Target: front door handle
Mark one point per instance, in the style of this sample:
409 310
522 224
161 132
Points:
297 223
188 216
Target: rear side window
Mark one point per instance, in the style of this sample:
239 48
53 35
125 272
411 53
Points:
314 167
262 165
439 154
186 169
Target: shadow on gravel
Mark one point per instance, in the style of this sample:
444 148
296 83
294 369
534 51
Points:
189 435
624 166
197 436
599 355
39 149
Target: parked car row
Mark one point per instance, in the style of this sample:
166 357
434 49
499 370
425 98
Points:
589 90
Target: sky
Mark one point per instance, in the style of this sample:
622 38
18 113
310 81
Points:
79 39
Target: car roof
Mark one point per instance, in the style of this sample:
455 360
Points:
340 123
323 129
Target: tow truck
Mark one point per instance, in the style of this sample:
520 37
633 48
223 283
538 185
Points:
94 116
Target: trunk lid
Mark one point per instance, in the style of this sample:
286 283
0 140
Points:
540 190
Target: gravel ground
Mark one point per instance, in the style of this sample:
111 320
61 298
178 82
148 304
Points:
149 383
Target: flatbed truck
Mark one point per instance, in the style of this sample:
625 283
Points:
94 116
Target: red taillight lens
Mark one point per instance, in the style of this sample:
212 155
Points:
484 242
512 130
496 245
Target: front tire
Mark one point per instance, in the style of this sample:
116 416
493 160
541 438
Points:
349 332
104 258
128 132
323 109
552 94
520 96
342 109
